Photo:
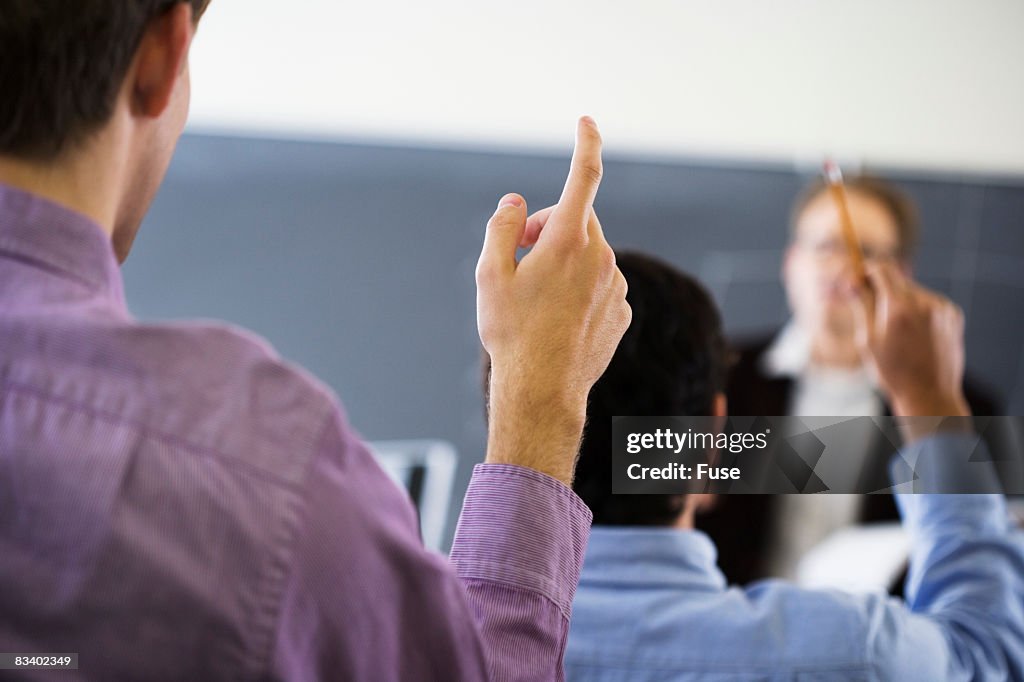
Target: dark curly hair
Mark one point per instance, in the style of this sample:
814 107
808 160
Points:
672 360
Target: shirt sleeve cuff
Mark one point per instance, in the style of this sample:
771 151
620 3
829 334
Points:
523 529
955 470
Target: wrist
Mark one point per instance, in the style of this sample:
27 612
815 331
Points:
534 426
926 415
535 391
934 404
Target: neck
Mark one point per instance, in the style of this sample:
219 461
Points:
686 520
829 351
80 181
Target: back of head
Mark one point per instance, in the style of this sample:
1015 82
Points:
672 361
61 66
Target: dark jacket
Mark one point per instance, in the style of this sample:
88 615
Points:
742 525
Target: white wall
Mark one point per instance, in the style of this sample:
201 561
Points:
935 84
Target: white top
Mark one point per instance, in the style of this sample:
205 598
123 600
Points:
807 520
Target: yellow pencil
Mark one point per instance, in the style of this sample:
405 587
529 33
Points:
834 178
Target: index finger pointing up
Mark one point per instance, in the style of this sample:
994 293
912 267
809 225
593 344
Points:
584 177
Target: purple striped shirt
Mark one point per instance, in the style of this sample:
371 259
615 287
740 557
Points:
178 503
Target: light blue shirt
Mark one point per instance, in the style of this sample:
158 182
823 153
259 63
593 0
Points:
652 605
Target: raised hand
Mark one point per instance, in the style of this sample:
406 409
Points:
551 321
913 340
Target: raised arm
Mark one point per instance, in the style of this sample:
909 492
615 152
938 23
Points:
363 598
965 590
550 323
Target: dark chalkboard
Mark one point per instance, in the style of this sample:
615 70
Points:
357 261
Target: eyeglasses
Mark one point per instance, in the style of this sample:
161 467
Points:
836 248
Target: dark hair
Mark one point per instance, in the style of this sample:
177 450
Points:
897 202
61 66
672 360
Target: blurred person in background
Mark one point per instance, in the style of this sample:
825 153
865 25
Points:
652 605
179 503
812 367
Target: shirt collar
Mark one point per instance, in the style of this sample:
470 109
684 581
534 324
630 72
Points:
47 236
652 556
789 354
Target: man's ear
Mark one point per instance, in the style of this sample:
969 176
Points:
720 406
701 502
718 413
160 60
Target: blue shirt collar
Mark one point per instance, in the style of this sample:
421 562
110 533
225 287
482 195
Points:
638 555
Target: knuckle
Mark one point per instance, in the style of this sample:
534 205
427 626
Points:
932 308
898 315
485 273
568 243
496 221
591 170
626 316
619 284
606 262
486 329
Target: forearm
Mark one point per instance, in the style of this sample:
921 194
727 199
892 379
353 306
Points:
518 550
930 413
967 563
534 424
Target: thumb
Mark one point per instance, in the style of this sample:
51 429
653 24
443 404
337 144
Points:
504 232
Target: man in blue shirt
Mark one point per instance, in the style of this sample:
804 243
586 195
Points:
652 604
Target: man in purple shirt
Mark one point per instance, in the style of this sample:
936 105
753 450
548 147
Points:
176 501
